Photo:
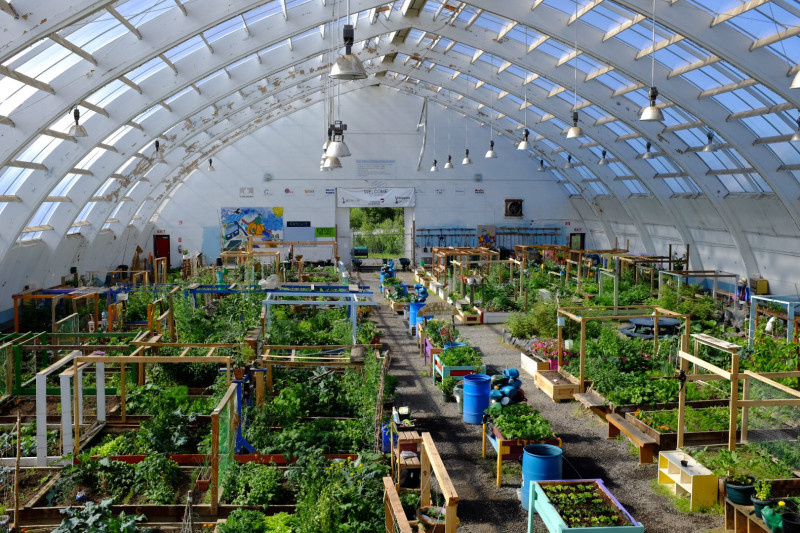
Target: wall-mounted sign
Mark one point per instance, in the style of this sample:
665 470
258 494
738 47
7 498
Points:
439 192
298 224
325 232
330 192
479 191
370 168
379 197
288 192
246 192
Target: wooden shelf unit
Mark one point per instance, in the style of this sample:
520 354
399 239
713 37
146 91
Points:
693 480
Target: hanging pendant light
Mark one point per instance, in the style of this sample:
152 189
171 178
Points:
327 143
348 67
524 145
76 130
158 153
796 136
466 160
331 163
648 154
569 164
796 81
337 147
709 146
652 113
449 163
211 166
490 153
540 168
575 131
603 160
433 168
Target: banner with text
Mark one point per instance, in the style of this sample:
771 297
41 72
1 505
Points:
383 197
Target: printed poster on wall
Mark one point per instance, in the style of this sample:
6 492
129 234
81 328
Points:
487 236
264 223
378 197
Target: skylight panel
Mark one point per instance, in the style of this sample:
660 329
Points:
90 158
184 49
614 80
603 18
110 182
97 33
13 94
225 28
185 90
267 10
595 112
43 215
585 64
518 34
39 149
84 213
635 186
30 236
554 48
140 11
462 48
598 188
49 63
108 93
65 185
702 79
571 189
517 71
678 185
491 22
618 128
138 75
140 118
209 78
12 179
762 127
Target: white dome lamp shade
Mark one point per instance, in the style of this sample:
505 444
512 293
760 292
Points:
709 146
76 130
575 131
331 163
490 153
796 81
466 160
652 113
648 154
603 160
348 67
434 168
524 145
449 164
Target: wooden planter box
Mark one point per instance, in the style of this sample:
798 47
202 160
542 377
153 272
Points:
508 449
467 320
555 384
397 307
669 440
457 372
531 365
429 350
554 522
493 317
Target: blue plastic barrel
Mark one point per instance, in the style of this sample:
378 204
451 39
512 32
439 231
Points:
413 310
476 397
453 345
540 462
401 289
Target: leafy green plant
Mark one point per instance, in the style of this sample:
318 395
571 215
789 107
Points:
461 356
250 521
252 484
447 385
763 490
97 518
531 426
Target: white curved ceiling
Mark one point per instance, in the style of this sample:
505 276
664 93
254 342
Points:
200 74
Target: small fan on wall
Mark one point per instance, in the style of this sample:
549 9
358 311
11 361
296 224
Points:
513 208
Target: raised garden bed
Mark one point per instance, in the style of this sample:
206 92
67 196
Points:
598 509
493 317
467 318
556 385
440 368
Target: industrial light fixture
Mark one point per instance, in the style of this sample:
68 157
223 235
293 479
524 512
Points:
569 164
159 154
211 165
76 130
540 168
575 131
327 142
337 147
490 153
648 154
449 163
652 113
796 136
466 160
348 66
603 160
433 168
709 146
796 81
524 145
331 163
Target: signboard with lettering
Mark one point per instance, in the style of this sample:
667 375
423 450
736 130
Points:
325 232
378 197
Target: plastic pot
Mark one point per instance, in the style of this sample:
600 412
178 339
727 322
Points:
758 505
791 522
740 494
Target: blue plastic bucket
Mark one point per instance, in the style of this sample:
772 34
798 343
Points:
476 397
413 311
453 345
386 433
509 391
540 462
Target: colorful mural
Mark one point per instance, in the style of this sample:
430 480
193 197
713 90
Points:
264 223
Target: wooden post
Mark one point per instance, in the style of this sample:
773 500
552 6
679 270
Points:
424 477
259 376
213 484
684 365
734 399
583 354
745 409
122 391
655 333
16 472
559 321
76 407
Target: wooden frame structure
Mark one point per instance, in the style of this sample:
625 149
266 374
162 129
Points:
789 302
523 250
252 245
734 376
55 296
445 257
579 259
396 520
582 315
686 274
160 268
123 276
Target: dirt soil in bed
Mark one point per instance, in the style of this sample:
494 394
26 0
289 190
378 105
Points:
484 508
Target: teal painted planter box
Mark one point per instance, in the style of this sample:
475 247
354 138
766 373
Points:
457 372
539 503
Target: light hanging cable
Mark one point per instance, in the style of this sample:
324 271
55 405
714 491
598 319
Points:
524 145
575 131
490 153
603 160
449 164
652 113
76 130
348 67
433 168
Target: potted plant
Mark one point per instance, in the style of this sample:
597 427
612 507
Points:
762 497
447 385
241 361
432 518
739 488
783 516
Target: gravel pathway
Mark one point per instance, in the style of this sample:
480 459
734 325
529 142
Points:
483 507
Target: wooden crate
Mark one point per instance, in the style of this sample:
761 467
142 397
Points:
553 383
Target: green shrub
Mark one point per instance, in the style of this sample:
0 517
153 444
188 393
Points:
521 325
252 484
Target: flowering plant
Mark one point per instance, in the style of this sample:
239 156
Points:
548 349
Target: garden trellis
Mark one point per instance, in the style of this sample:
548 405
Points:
790 303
